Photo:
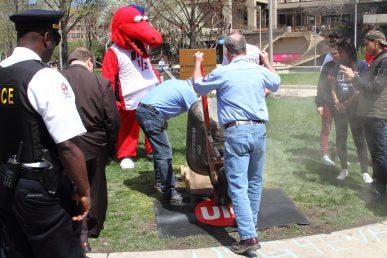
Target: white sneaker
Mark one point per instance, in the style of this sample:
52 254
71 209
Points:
127 163
327 161
343 174
366 178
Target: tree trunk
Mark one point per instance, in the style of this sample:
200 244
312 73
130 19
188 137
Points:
192 38
64 50
89 41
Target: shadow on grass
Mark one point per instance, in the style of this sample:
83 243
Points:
309 138
374 203
328 174
142 183
309 159
172 138
180 151
378 207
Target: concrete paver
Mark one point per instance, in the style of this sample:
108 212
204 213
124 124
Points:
369 241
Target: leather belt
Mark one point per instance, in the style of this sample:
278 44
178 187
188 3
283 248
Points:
243 122
149 107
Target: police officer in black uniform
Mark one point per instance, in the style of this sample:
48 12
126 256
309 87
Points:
44 190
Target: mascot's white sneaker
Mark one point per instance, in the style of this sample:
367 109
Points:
127 163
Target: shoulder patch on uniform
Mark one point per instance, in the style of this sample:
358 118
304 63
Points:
8 96
65 90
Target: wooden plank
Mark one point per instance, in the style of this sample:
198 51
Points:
186 61
196 184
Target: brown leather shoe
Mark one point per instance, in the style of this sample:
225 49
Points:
245 246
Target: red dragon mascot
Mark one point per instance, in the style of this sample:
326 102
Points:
126 64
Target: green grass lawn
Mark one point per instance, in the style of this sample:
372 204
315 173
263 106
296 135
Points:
304 78
292 163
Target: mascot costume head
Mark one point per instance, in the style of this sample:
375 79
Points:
130 29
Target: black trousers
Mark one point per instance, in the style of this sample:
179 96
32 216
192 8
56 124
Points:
375 130
35 224
356 123
98 194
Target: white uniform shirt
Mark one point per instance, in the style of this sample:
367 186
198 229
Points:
52 97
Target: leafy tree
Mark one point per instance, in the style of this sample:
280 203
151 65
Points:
183 23
338 9
7 31
102 35
75 11
188 23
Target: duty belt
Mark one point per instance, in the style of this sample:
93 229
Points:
31 173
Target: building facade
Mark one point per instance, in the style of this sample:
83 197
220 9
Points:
303 15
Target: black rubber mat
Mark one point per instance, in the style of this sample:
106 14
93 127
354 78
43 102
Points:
178 221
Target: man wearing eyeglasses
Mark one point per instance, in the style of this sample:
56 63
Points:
43 181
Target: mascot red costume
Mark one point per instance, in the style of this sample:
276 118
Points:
127 66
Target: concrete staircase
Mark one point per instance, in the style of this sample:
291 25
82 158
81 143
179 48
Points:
309 55
290 42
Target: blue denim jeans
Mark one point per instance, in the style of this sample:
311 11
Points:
153 125
244 154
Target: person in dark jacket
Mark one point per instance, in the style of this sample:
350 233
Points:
95 102
373 105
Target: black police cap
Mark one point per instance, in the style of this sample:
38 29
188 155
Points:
36 19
